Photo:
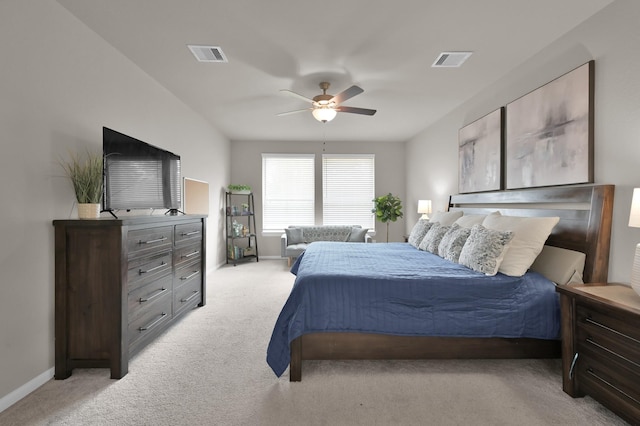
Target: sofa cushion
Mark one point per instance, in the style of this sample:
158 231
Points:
294 235
357 235
325 233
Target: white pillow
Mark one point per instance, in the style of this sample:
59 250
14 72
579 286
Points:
485 249
468 220
530 233
560 265
446 218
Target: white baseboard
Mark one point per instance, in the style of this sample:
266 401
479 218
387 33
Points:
25 389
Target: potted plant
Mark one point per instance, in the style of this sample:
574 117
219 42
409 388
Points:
239 189
388 208
87 178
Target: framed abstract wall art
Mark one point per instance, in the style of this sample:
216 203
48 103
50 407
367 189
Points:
480 154
549 133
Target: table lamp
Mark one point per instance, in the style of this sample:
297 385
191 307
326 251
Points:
424 207
634 221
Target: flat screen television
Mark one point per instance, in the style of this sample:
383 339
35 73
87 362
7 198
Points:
138 175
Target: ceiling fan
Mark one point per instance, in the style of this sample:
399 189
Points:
324 107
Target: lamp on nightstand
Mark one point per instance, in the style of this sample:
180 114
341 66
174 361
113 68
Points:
634 220
424 207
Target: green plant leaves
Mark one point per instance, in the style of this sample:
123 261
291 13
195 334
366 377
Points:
86 177
388 208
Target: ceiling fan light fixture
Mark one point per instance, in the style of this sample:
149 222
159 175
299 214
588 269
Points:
324 114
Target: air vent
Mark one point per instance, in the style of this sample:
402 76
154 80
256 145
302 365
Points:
207 53
451 59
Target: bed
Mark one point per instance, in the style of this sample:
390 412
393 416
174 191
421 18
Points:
334 313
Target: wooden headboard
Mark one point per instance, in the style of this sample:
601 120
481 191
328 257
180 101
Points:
585 217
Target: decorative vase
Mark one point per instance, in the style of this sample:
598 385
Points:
88 211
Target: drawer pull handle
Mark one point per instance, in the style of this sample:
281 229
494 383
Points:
186 256
599 346
190 275
158 240
611 385
188 234
597 324
162 264
154 295
188 299
153 324
573 365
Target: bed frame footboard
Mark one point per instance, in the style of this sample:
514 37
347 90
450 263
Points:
360 346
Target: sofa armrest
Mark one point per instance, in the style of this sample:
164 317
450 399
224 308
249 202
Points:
283 245
368 239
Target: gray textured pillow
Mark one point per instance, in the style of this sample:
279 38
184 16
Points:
357 235
294 235
418 232
432 239
453 241
485 249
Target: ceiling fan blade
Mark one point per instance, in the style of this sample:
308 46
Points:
296 95
354 110
347 94
294 112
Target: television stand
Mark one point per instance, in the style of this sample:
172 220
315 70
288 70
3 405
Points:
173 212
110 212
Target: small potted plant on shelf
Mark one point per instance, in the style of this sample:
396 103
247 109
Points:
87 178
388 208
239 189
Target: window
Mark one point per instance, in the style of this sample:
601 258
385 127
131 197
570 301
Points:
348 189
288 190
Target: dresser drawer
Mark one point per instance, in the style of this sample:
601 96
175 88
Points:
151 319
187 273
188 232
147 295
609 331
609 382
187 296
187 255
146 241
147 269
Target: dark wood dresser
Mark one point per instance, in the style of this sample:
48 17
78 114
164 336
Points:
601 346
120 282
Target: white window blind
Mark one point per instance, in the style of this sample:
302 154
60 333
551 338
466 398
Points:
288 190
348 188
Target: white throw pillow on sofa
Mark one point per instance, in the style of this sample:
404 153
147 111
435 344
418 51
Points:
530 234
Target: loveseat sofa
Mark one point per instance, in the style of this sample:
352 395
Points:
295 239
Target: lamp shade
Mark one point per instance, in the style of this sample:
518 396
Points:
634 215
324 114
424 207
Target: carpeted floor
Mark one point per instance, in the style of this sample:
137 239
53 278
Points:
210 369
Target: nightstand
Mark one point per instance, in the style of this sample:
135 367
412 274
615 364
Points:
601 345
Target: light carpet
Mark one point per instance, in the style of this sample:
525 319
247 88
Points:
209 369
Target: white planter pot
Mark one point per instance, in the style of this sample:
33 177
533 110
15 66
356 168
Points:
88 211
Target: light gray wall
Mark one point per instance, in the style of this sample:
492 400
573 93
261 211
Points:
611 38
246 168
59 84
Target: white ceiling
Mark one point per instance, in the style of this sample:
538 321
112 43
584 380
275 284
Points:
386 47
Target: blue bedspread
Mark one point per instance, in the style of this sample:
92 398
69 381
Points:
396 289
